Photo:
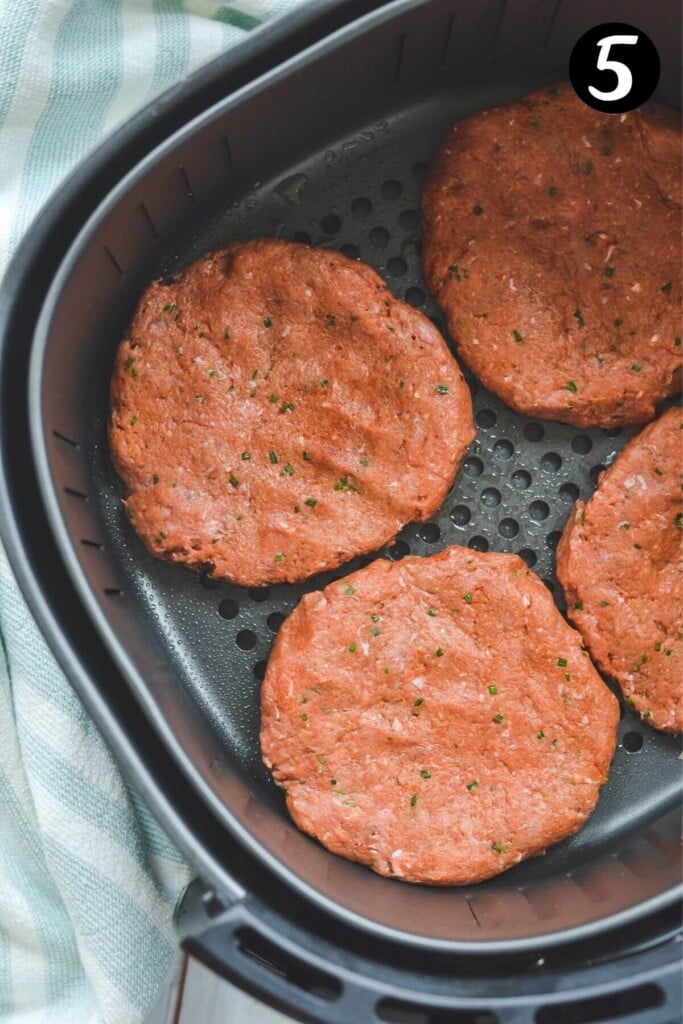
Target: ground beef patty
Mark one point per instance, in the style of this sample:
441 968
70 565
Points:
552 239
275 411
436 718
619 561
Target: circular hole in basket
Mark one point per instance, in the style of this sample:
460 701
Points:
534 432
207 580
460 515
478 543
409 219
473 466
503 450
379 237
508 528
274 621
397 267
538 510
420 170
352 251
569 493
486 418
228 609
361 206
301 236
246 640
581 444
551 462
553 539
331 224
260 670
595 473
259 594
415 296
528 556
429 533
521 480
632 742
398 551
392 189
490 497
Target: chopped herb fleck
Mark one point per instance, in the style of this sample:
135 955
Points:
311 502
342 483
578 606
324 383
604 604
618 321
439 652
349 590
442 389
297 508
425 774
306 456
155 478
571 387
267 322
658 471
579 317
498 718
286 407
624 525
245 456
472 785
658 645
666 287
273 457
160 538
413 800
170 308
636 367
467 598
562 662
457 273
432 612
129 512
540 735
279 557
234 482
226 335
552 191
375 618
678 521
677 342
364 462
374 631
133 420
638 547
477 210
352 648
273 399
419 702
609 271
288 470
498 847
493 690
605 150
330 320
518 336
353 318
304 717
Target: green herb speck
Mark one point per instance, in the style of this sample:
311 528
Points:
439 652
160 538
472 785
609 271
267 322
442 389
467 598
349 590
304 717
245 456
636 367
540 735
498 718
273 457
562 662
432 612
493 690
518 336
311 502
364 462
578 606
306 456
579 317
234 482
552 191
279 557
498 847
477 210
666 287
425 774
352 648
419 702
155 478
413 800
571 387
286 407
133 420
288 470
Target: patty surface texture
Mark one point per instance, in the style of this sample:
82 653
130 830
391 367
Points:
620 563
552 241
436 718
276 411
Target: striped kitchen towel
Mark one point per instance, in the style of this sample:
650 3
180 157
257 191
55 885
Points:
88 881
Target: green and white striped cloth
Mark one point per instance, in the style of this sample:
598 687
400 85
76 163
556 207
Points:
88 881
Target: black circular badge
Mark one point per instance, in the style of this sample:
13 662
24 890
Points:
614 67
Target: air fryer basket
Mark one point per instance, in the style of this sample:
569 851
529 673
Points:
323 153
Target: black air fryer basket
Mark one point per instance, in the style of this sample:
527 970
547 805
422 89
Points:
320 129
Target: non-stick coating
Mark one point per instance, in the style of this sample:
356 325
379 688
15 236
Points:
513 493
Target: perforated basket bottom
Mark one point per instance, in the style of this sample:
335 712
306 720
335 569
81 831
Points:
513 492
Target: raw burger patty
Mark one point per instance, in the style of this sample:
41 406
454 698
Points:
436 718
552 239
275 411
619 561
